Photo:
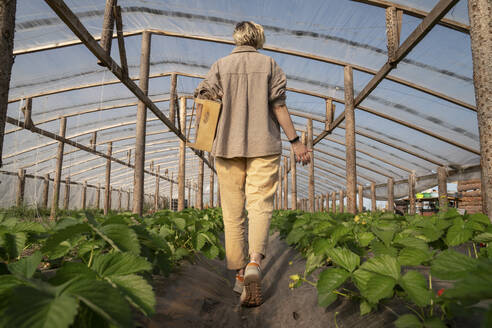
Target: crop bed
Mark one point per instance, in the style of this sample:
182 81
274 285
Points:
376 258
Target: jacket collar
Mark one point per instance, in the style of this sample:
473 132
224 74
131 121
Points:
243 49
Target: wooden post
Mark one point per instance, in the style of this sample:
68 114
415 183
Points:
138 184
188 184
443 188
121 40
322 202
182 152
84 195
58 169
110 203
311 165
108 25
286 184
327 196
333 201
411 193
93 140
171 207
361 198
276 197
107 197
391 195
211 181
281 187
173 98
128 200
157 189
66 200
293 174
219 201
7 27
341 202
46 190
479 12
98 196
392 35
350 140
27 110
330 113
373 197
21 186
199 194
119 200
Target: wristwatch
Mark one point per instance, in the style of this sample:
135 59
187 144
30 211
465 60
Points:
294 140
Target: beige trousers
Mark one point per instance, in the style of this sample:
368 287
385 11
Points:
250 181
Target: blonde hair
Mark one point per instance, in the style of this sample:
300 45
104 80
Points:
249 34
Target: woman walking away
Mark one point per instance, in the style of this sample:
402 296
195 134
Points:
247 148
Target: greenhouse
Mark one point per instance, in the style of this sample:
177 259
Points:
106 197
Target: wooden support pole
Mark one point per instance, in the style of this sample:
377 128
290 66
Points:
479 12
391 195
330 113
322 207
311 165
83 203
58 169
188 184
361 198
93 140
119 200
373 197
21 187
281 187
27 111
7 27
211 180
110 203
333 202
107 29
129 156
276 197
199 194
66 200
121 40
286 184
171 184
173 98
341 202
138 184
411 193
442 181
157 189
182 152
293 174
107 197
392 36
327 209
350 140
46 190
219 200
98 196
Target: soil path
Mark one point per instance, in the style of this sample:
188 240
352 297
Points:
200 295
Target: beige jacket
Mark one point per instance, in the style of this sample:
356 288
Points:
249 84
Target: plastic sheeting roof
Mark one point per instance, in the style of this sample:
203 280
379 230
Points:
341 30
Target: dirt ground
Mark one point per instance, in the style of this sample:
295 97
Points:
200 295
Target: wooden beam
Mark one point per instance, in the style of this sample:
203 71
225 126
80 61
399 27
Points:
121 40
157 189
7 29
182 158
59 163
173 98
46 190
391 195
171 203
119 200
350 158
333 202
199 198
286 183
21 187
107 29
361 198
373 197
107 197
449 23
311 164
138 186
341 202
66 200
392 33
293 174
330 112
84 196
442 180
280 187
411 194
98 196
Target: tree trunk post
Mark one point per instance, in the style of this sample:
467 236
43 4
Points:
280 187
107 195
311 165
341 202
391 195
286 184
21 186
98 196
411 193
108 26
219 200
58 169
139 179
350 140
66 201
211 181
7 28
442 181
157 188
333 201
361 198
479 12
173 98
46 190
128 200
120 196
182 155
293 174
327 209
84 196
373 197
199 195
171 207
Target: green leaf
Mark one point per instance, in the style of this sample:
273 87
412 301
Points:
344 258
414 256
201 239
103 299
431 233
451 265
379 248
365 238
408 321
386 236
72 270
330 279
313 262
53 247
480 217
365 308
211 252
476 284
294 236
326 299
384 265
31 308
379 287
434 322
28 226
137 290
26 266
339 233
415 285
361 277
8 281
411 242
458 235
321 245
119 264
180 223
485 237
14 243
123 236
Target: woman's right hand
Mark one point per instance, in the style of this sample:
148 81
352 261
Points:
302 153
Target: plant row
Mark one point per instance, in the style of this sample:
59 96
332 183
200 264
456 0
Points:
93 271
374 258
